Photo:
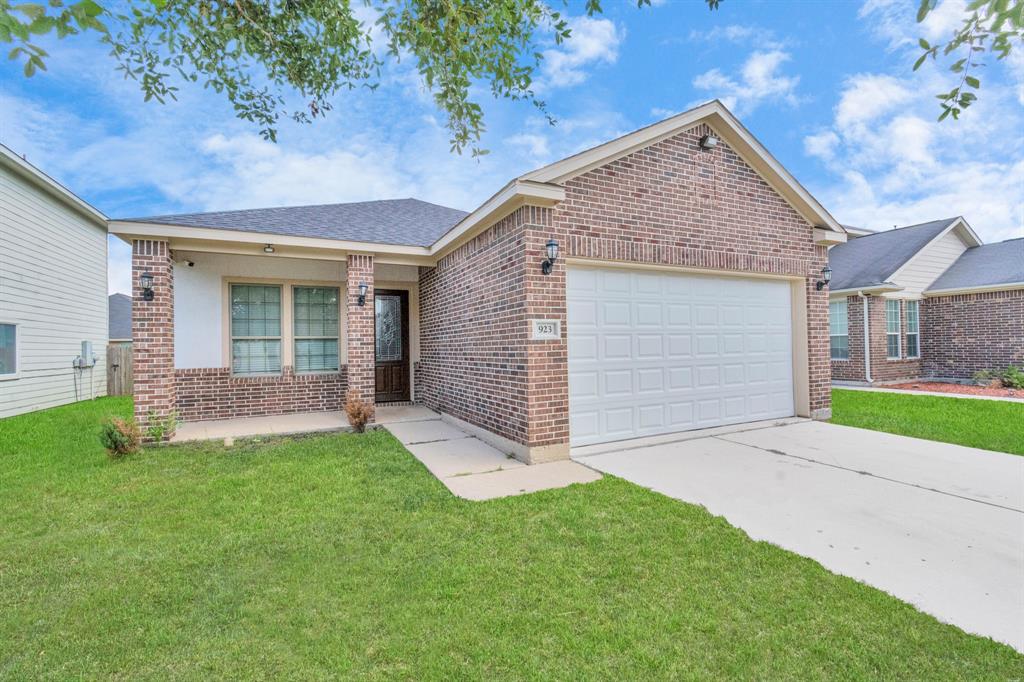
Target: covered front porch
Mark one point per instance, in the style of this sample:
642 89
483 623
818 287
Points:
238 340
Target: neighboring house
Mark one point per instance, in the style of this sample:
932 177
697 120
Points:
928 300
53 291
682 295
119 316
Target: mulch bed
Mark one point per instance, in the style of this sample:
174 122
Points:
963 389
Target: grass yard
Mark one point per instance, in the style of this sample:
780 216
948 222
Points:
986 424
340 556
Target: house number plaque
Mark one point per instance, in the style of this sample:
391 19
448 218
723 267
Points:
546 330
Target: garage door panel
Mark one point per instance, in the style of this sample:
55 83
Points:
654 353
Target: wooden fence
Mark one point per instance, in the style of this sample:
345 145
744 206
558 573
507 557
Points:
119 368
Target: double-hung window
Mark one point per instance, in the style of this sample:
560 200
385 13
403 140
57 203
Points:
892 329
913 330
316 328
838 330
255 329
8 350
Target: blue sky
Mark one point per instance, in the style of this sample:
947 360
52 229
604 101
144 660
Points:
826 86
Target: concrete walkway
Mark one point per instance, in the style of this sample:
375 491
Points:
471 468
934 394
940 526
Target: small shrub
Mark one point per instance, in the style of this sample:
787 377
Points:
157 427
359 413
986 377
1013 377
120 437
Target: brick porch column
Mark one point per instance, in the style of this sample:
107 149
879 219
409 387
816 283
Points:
360 328
153 332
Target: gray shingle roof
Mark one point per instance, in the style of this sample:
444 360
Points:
988 264
872 259
409 222
119 320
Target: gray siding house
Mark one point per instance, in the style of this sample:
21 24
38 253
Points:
53 292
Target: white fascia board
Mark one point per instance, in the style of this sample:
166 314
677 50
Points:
519 192
721 120
191 238
1006 286
824 237
49 186
883 288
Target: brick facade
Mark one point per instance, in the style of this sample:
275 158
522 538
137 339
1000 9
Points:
967 333
959 335
473 336
153 332
852 369
882 367
359 328
667 204
212 393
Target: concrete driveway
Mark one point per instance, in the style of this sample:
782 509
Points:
940 526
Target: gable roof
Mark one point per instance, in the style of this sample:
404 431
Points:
408 222
988 265
871 259
10 161
414 229
119 317
734 133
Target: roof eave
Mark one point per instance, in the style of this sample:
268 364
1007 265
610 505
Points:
873 289
1003 286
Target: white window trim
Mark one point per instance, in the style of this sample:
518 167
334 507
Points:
295 337
287 323
846 308
916 356
17 352
899 329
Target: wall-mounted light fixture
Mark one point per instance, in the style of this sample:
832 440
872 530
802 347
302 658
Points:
551 248
826 277
269 248
708 142
146 282
362 294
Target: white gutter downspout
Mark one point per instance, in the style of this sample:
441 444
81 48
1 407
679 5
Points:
867 336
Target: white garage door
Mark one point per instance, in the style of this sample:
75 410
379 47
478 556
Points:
655 352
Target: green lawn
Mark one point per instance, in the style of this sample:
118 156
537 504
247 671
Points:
341 556
986 424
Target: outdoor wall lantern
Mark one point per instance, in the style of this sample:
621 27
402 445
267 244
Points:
708 142
552 251
826 277
269 248
146 282
362 294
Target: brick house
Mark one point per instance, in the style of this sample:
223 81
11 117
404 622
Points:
928 301
660 282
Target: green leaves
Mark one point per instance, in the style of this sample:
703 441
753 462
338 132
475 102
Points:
995 26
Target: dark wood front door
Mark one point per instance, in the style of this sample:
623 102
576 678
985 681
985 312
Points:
391 332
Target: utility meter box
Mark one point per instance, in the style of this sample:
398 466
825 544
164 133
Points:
86 359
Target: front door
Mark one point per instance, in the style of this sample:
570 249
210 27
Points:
391 323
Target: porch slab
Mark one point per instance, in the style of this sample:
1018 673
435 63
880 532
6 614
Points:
519 481
412 433
461 457
388 414
274 425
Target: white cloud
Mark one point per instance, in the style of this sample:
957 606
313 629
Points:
888 161
894 21
592 41
756 36
758 81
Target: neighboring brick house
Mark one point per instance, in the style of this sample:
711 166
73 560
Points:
660 282
940 304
